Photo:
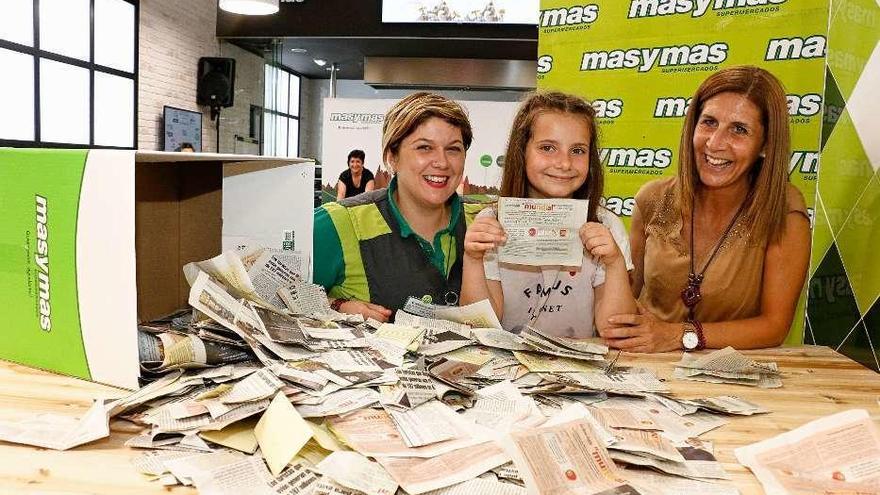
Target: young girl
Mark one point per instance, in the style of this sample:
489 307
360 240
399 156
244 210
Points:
552 153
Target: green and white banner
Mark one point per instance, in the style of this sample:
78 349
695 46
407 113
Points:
640 62
67 278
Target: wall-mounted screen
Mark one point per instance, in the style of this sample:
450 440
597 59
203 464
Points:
182 128
461 11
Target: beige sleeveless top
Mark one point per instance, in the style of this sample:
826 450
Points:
731 285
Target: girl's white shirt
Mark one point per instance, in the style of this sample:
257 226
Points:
556 299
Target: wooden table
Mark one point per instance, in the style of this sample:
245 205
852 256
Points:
818 382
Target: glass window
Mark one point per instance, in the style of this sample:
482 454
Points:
294 95
17 96
280 137
268 133
65 27
80 100
114 34
283 91
271 86
114 111
281 112
17 21
292 137
64 103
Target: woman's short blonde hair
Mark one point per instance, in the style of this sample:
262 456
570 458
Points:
411 112
764 215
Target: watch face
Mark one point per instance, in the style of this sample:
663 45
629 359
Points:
690 340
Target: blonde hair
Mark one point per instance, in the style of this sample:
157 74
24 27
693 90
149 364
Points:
409 113
764 214
514 182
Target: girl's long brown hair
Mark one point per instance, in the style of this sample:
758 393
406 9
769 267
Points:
514 182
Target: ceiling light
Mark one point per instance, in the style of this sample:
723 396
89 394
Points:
298 50
250 7
321 62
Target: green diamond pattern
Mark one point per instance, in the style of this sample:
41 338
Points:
844 172
822 236
834 106
852 36
872 326
831 307
858 240
843 309
858 346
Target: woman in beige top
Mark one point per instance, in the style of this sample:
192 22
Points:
720 251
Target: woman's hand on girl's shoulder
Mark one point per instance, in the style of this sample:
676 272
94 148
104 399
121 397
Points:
484 234
599 242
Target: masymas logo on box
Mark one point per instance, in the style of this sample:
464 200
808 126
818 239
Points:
41 259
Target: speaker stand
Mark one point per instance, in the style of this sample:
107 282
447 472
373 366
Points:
215 117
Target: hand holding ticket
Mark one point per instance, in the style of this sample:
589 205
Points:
484 234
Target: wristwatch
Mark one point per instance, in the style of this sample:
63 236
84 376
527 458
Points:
692 339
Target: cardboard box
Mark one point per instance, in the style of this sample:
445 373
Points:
94 241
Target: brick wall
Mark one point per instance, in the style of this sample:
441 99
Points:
173 35
311 114
235 120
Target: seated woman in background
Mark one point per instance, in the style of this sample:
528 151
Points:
374 251
356 178
720 251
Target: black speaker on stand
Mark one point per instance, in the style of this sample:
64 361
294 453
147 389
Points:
216 86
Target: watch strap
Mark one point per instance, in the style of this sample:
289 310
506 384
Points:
701 337
337 303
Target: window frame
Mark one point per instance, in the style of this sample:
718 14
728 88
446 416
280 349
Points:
38 54
276 113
